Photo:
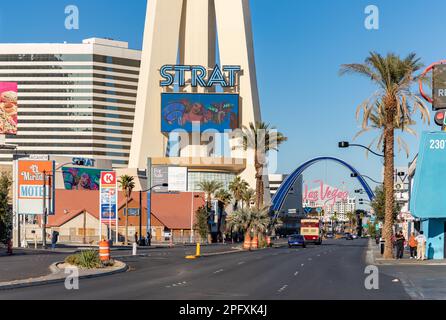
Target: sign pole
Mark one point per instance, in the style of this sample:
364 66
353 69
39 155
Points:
149 204
117 214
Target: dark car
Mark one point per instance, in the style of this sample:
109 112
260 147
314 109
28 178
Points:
348 236
296 240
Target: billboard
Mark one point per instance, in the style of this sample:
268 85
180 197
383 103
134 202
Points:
8 108
30 194
81 178
177 179
108 196
210 111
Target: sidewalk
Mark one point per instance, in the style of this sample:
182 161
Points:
374 257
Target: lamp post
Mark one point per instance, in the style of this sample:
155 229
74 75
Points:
346 144
148 211
355 175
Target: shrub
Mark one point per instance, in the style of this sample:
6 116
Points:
88 259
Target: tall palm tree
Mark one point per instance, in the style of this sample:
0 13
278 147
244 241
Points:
210 188
261 138
238 186
127 185
350 216
394 77
247 197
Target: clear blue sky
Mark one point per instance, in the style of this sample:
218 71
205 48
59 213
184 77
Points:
302 42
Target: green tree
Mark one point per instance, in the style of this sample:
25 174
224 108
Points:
378 205
127 185
252 221
261 138
5 207
238 187
209 188
224 199
247 197
202 222
394 77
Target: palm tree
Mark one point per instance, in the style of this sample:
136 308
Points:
247 197
127 185
224 199
209 188
261 138
394 77
251 221
350 216
238 186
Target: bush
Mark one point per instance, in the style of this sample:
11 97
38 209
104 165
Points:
88 259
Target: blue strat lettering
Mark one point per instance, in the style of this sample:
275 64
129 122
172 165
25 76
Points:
225 77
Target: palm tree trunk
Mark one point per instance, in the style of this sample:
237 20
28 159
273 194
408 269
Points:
259 185
389 137
126 221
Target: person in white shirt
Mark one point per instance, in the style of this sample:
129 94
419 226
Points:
421 247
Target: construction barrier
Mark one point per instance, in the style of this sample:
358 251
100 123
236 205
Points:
268 241
104 250
247 242
255 243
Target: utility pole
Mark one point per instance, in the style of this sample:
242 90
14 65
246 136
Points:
44 212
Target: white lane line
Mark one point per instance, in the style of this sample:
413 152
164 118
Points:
302 265
241 262
309 259
218 271
317 255
296 273
283 288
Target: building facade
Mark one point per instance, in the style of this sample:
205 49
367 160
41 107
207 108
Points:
74 99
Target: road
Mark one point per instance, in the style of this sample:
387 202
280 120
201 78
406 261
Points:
334 270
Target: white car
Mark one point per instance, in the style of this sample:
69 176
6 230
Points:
354 236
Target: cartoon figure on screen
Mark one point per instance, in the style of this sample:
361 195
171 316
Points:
195 113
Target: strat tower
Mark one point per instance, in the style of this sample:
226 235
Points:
197 87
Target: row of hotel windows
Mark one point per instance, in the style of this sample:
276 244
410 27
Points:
71 58
92 137
78 83
77 99
73 129
75 106
90 91
62 67
67 75
77 114
107 123
73 145
65 152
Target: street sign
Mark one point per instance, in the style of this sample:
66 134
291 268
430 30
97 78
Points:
108 201
439 87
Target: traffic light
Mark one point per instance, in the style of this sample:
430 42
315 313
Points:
440 118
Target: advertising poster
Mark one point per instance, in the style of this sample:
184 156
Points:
81 178
211 111
30 191
177 179
8 108
108 196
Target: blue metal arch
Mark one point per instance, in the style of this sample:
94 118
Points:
282 192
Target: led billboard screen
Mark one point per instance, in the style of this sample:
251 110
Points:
81 178
8 108
206 111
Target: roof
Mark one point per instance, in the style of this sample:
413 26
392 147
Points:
173 210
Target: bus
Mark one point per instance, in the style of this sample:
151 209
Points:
311 229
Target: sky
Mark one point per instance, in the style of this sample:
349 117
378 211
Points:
302 42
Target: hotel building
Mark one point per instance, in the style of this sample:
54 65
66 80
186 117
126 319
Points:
74 99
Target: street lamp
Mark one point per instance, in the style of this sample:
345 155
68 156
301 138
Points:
355 175
148 212
346 144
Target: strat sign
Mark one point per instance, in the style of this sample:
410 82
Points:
324 194
225 76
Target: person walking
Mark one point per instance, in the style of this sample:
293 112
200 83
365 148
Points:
400 245
54 239
421 246
136 237
413 246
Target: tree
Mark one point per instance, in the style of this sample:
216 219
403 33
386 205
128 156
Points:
5 208
394 77
247 197
127 185
261 138
251 221
350 217
378 205
238 187
201 224
209 188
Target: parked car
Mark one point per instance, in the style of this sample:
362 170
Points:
355 236
296 240
329 235
348 236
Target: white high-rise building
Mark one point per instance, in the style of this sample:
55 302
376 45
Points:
74 99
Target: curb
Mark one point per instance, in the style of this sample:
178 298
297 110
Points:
60 277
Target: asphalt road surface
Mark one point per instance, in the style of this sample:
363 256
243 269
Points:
334 270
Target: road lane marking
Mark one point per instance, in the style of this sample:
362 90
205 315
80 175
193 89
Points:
241 262
283 288
302 265
309 259
296 273
218 271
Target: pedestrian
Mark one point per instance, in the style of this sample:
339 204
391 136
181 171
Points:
421 246
54 239
136 237
149 239
413 246
400 240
